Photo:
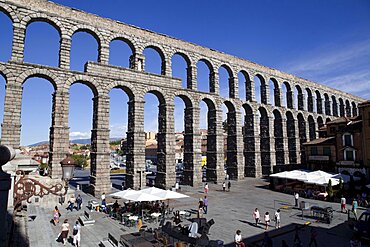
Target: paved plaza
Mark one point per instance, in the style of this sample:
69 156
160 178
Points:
230 211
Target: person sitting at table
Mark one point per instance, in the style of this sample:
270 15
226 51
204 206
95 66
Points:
115 206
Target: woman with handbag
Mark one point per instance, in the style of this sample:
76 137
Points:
56 215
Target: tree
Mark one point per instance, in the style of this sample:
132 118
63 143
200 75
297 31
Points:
81 160
329 190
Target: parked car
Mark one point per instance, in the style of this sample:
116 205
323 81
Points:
362 225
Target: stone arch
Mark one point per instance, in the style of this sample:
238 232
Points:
348 109
263 88
318 102
189 69
87 29
265 141
276 95
231 80
327 120
94 85
212 75
124 39
40 17
279 138
126 87
300 98
290 129
327 104
302 136
334 105
6 73
288 95
309 100
42 73
251 169
10 12
311 128
354 109
161 54
248 86
341 108
231 161
320 122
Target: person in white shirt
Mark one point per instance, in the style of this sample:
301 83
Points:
277 218
267 220
238 239
296 197
343 204
256 215
77 234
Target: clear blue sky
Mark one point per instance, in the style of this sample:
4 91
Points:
324 41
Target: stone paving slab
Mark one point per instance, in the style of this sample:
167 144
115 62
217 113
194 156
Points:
230 211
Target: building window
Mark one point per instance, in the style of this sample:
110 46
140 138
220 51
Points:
327 151
347 140
350 155
313 150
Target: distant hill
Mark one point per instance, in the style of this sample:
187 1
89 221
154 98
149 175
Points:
77 141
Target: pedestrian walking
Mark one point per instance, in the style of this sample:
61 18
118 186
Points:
229 185
238 239
343 204
65 230
313 238
56 215
354 206
103 198
277 218
296 197
206 188
77 234
223 186
79 202
256 216
267 220
205 204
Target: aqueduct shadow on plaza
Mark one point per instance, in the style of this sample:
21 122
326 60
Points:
272 134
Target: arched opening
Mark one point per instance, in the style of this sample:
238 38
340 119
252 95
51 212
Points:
290 129
320 122
249 142
205 76
264 141
309 100
2 98
154 60
260 89
84 48
120 53
341 108
81 96
288 95
302 137
231 140
275 97
119 100
279 138
186 168
6 37
327 104
180 69
327 120
226 82
354 109
348 109
311 128
335 106
299 102
245 86
36 111
318 102
209 139
42 44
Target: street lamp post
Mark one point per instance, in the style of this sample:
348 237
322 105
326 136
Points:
6 155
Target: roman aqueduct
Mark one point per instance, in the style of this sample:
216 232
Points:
272 133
